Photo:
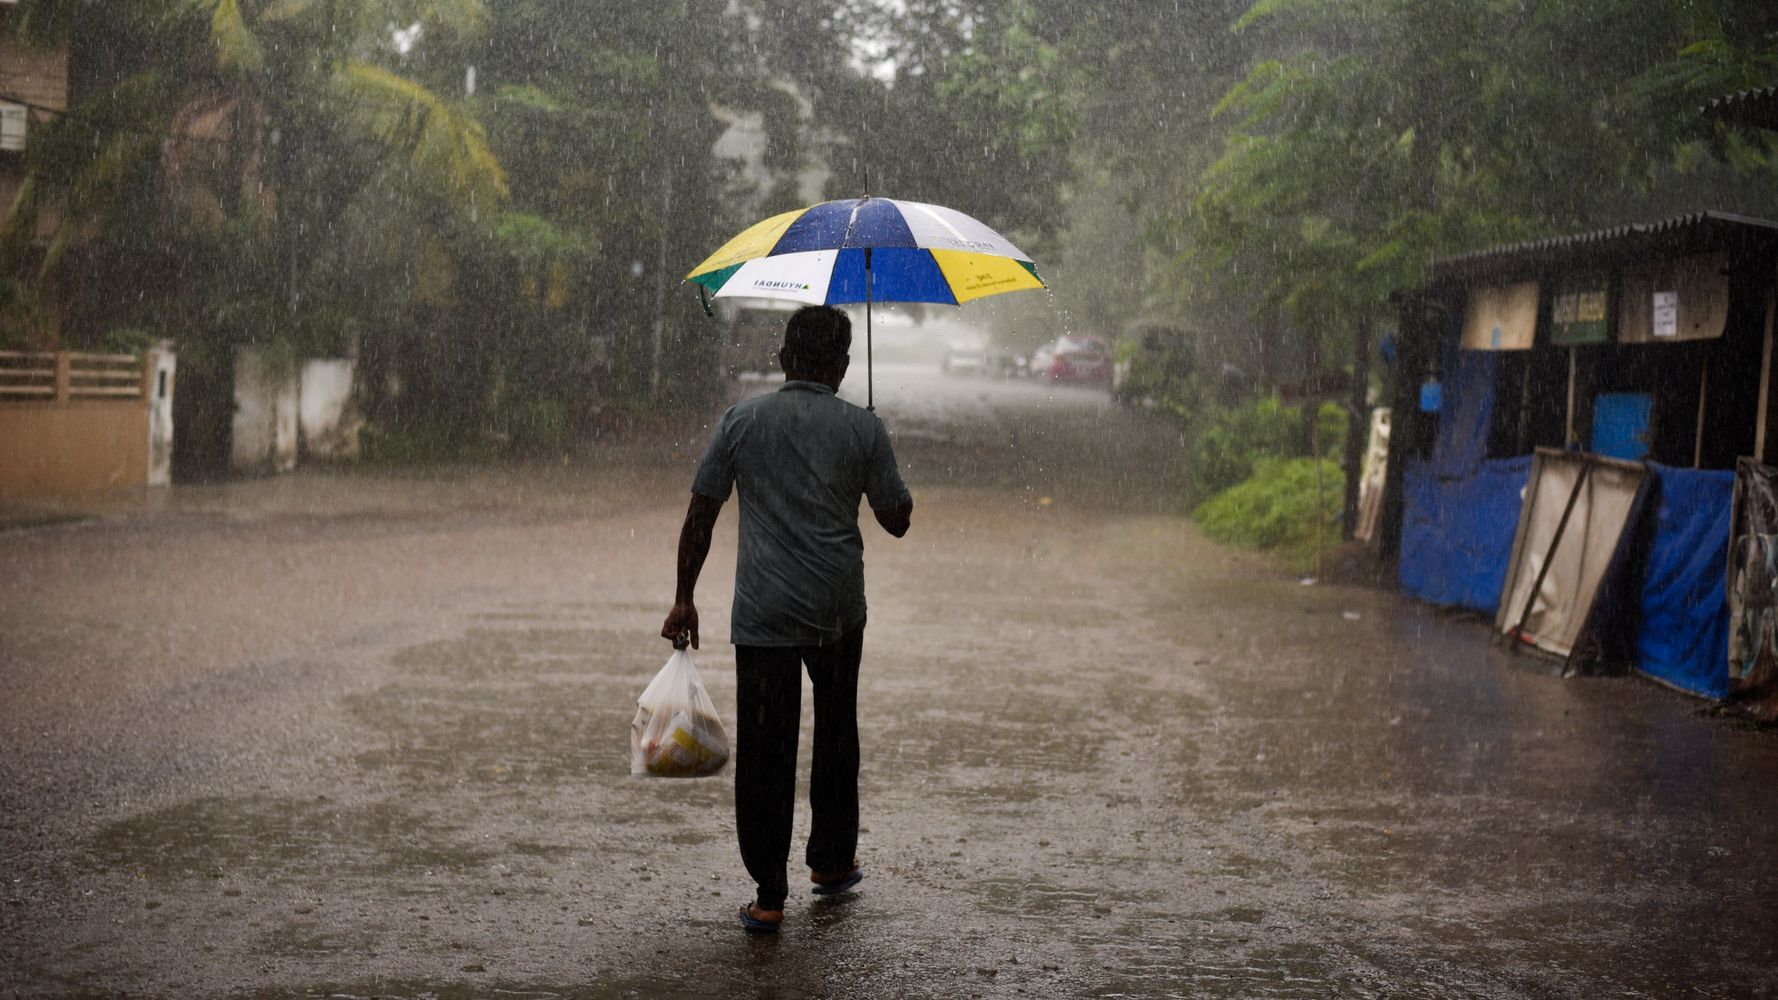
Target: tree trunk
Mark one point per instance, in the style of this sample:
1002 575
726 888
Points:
1311 399
1270 334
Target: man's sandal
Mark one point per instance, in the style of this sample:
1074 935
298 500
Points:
755 925
835 886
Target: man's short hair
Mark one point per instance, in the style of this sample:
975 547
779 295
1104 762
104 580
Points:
817 337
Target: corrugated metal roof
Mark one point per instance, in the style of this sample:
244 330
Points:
1757 107
1696 233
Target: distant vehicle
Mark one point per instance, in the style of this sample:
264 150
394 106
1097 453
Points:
966 357
1003 363
1076 359
1040 360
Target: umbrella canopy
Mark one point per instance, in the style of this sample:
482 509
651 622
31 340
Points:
915 253
867 250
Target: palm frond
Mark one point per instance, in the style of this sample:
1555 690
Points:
97 190
462 16
1278 9
80 164
445 149
21 223
373 18
236 45
280 11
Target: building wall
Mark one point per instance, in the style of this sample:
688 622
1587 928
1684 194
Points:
327 419
263 434
38 79
35 77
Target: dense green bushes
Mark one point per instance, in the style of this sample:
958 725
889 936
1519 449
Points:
1254 488
1276 507
1233 442
1235 439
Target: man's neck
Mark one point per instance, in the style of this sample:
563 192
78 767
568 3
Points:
825 379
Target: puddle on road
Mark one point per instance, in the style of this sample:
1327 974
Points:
487 654
511 707
271 837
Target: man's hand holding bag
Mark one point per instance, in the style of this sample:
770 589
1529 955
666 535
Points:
676 732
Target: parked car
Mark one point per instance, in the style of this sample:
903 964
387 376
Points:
1077 359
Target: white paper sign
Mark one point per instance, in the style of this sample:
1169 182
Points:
1666 315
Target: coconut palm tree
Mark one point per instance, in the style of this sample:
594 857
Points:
217 167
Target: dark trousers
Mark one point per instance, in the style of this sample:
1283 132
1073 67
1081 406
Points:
769 688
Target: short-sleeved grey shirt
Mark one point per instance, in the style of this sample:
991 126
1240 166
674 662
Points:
801 457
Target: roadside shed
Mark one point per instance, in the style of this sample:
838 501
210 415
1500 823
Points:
1757 108
1648 344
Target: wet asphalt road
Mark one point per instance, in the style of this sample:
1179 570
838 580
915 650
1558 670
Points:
365 734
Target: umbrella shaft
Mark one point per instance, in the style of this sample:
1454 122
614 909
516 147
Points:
870 400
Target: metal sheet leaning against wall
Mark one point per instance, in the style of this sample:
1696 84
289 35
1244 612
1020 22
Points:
1575 511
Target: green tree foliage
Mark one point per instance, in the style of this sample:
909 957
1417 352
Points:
963 102
1237 439
1149 74
1389 132
606 126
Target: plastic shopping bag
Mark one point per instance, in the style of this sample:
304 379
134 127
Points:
676 732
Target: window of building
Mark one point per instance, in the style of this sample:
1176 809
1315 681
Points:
13 121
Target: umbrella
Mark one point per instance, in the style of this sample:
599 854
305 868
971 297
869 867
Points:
866 250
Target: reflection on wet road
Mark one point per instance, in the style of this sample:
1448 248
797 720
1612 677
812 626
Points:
364 734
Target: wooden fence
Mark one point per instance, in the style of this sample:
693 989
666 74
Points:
64 376
76 423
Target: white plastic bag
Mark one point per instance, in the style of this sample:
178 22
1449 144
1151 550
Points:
676 732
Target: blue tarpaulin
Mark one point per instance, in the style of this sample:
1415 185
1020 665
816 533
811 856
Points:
1683 633
1460 511
1457 534
1466 415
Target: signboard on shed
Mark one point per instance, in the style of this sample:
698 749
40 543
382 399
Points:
1684 299
1500 317
1579 313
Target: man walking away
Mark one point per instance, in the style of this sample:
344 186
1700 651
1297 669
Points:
801 458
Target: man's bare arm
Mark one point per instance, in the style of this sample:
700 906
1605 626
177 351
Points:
694 547
895 520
